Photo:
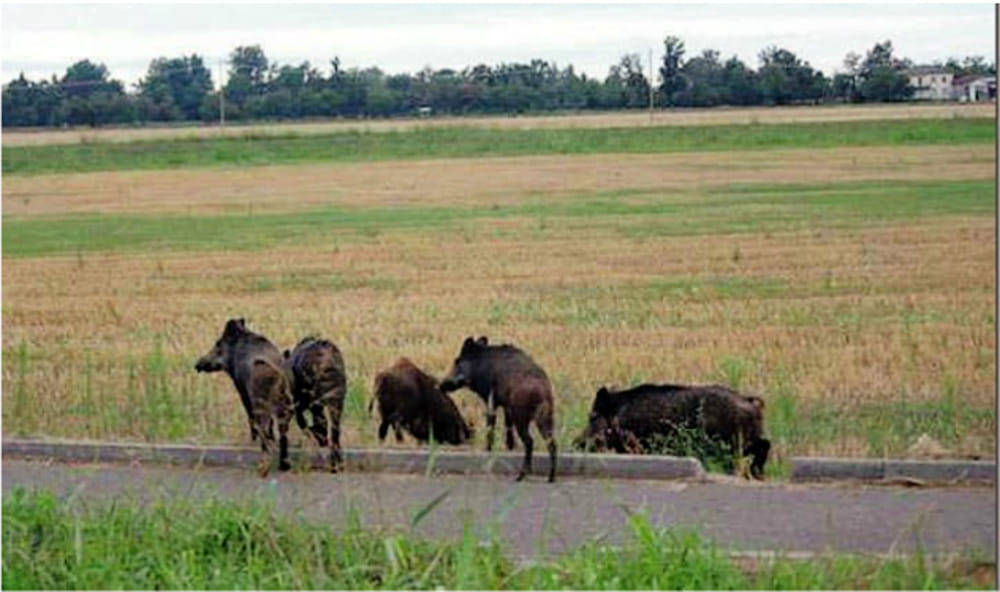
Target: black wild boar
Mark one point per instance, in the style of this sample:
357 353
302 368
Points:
504 376
409 398
319 385
255 367
633 420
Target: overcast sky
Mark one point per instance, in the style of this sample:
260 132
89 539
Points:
44 39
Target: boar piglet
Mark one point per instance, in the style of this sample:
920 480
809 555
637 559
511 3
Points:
409 398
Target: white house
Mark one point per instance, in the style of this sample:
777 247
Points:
973 88
931 83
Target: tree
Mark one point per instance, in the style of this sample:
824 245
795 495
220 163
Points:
970 65
879 77
784 78
248 74
741 83
706 81
634 85
28 103
176 88
671 79
92 97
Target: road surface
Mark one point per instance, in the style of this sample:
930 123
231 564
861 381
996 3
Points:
535 516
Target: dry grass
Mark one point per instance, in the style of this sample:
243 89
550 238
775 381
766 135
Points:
715 116
500 181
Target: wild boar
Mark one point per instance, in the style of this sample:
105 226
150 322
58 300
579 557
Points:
319 385
255 366
636 419
409 398
504 376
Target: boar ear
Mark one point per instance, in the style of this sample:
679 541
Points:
467 345
602 393
482 341
234 328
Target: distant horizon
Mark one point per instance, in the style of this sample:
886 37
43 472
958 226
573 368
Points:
42 40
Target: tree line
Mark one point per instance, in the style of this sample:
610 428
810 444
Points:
181 88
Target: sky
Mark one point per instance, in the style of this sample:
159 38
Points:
43 39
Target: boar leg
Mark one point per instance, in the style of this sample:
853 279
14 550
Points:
544 422
383 429
262 421
525 434
319 426
491 424
510 430
334 436
245 399
284 416
759 450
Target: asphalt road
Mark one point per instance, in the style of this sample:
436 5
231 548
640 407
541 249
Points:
535 516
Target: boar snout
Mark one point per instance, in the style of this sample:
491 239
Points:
207 365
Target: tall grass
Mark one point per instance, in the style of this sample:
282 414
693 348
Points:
353 146
50 543
147 396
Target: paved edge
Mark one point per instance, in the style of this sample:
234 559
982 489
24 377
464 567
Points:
804 469
951 471
396 461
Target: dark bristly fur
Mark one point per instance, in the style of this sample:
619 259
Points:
631 421
319 385
506 377
409 398
255 366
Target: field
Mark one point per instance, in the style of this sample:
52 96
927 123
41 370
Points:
682 117
843 270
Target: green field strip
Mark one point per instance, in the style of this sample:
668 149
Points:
718 212
358 146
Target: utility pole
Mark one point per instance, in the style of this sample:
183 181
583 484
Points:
222 99
651 85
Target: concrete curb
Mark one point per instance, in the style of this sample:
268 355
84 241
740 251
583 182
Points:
823 469
388 460
804 469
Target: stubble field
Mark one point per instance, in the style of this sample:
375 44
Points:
851 285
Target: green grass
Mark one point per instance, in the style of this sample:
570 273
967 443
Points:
887 429
743 209
356 146
50 543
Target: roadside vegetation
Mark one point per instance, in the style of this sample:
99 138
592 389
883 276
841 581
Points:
53 543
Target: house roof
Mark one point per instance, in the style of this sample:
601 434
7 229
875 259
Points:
971 78
922 70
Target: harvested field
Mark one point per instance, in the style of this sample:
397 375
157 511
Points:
472 182
681 117
853 287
